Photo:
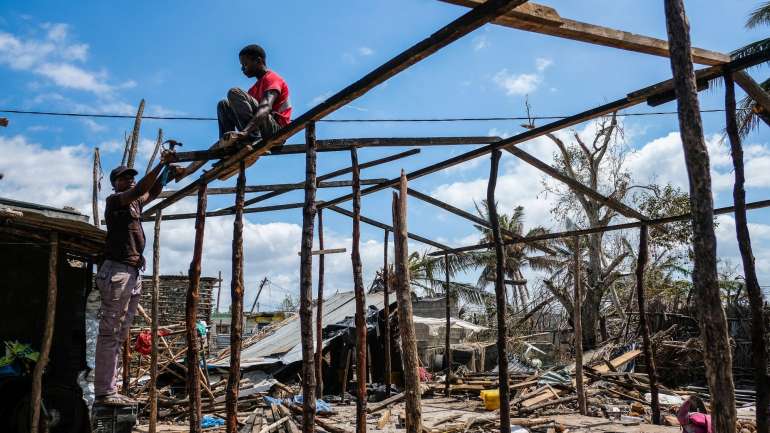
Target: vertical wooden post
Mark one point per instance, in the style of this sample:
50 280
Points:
358 288
158 142
126 364
319 380
219 291
96 187
306 283
344 386
45 344
154 324
236 306
411 364
756 301
649 356
191 313
502 358
386 313
577 319
134 143
711 314
447 349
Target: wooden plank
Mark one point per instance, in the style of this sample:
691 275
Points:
619 361
384 226
306 284
754 90
453 31
546 20
281 187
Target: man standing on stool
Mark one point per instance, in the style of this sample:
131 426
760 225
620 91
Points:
119 280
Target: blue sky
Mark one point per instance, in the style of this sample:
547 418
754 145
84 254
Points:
182 58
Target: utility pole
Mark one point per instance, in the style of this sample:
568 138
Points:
259 291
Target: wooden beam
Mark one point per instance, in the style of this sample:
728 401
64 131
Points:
96 185
614 227
319 347
576 185
448 328
48 331
386 312
384 226
413 410
191 313
134 143
153 392
711 314
467 215
577 320
753 289
323 252
754 90
339 172
546 20
282 187
358 289
224 212
453 31
236 308
306 284
502 339
158 143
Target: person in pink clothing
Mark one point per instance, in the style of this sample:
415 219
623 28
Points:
692 416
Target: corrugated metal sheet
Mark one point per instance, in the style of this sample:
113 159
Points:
284 346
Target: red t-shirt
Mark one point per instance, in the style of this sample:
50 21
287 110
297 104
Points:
282 105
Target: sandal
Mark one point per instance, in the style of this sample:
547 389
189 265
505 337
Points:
115 400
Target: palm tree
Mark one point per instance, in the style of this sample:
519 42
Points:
517 256
749 113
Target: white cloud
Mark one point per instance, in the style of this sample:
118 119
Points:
542 63
480 42
53 57
516 84
320 98
365 51
94 126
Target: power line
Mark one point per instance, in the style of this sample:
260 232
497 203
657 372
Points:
415 120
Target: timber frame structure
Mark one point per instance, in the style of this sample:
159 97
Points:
517 14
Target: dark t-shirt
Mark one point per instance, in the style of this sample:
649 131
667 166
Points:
125 235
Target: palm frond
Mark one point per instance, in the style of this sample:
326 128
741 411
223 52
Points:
759 16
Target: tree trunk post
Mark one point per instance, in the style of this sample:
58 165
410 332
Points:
386 313
158 142
219 291
358 288
578 322
134 143
756 301
45 345
126 371
306 283
236 306
447 349
153 393
649 356
502 358
191 312
319 380
712 320
96 187
413 410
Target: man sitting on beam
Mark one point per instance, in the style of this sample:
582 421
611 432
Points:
254 114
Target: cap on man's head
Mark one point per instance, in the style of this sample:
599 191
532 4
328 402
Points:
121 170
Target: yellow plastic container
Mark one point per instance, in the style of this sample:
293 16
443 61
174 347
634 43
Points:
491 398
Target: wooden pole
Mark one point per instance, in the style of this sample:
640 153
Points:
126 372
306 283
502 357
134 143
191 315
158 142
386 313
447 348
756 301
96 187
236 307
409 358
577 319
712 320
649 356
45 344
358 288
154 325
319 380
219 291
